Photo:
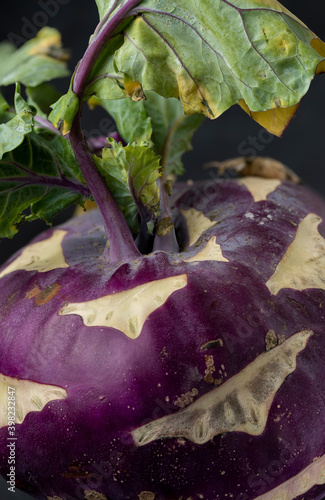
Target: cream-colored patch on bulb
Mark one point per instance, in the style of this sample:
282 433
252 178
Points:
94 495
41 256
259 187
211 251
27 396
240 404
127 311
303 264
299 484
197 223
147 495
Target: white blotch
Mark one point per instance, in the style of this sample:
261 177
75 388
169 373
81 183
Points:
42 256
299 484
94 495
128 310
303 264
29 396
249 215
211 251
240 404
197 223
259 187
147 495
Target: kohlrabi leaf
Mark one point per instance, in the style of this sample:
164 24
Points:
6 51
214 54
159 122
42 175
114 171
38 60
42 97
4 106
143 172
105 6
104 80
64 111
172 130
131 172
12 132
131 119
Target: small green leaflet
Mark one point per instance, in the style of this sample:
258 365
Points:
158 121
131 172
41 174
13 132
64 111
217 53
38 60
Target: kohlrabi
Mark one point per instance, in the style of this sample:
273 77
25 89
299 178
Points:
167 344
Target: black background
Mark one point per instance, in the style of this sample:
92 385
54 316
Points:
301 147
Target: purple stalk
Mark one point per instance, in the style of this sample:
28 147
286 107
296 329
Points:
121 244
48 181
97 45
105 18
46 124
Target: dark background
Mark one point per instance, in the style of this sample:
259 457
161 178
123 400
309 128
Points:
301 147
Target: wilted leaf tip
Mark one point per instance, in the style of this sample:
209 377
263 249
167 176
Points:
319 46
48 42
133 89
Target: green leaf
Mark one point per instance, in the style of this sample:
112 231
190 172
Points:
4 106
105 6
131 172
42 97
159 122
64 111
38 60
41 174
104 80
220 53
13 132
172 130
143 173
131 118
6 51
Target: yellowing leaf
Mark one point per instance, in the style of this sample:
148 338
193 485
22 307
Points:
319 46
64 111
39 60
133 89
214 56
274 120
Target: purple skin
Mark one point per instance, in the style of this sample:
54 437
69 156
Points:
116 384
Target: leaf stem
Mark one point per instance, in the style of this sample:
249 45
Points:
165 238
46 124
98 43
121 244
105 18
47 181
